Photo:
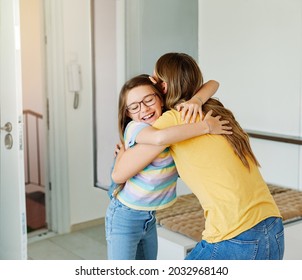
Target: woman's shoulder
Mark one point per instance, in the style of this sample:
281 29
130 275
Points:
168 118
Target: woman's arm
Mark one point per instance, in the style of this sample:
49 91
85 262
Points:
131 161
178 133
206 92
191 108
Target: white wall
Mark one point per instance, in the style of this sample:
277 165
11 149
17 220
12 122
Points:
86 201
157 27
106 90
253 48
69 37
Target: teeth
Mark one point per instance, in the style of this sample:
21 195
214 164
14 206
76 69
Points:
148 116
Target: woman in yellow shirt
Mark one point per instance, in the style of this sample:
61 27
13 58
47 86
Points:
242 219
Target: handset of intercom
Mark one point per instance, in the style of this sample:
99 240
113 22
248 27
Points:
74 81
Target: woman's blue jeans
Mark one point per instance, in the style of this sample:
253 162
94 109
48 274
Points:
131 234
265 241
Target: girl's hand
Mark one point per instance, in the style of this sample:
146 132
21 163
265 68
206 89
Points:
190 109
217 126
119 148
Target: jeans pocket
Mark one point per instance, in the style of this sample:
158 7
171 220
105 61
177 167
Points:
280 241
110 213
234 249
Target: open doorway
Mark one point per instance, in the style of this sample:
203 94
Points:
35 115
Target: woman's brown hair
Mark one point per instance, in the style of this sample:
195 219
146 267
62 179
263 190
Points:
239 140
183 77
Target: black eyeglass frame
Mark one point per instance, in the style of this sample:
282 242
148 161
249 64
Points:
140 102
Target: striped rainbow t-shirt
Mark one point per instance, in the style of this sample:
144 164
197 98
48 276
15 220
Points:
155 186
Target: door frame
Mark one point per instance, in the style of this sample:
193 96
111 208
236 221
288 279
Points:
57 138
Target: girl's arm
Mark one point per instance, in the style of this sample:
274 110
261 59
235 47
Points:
191 108
178 133
130 162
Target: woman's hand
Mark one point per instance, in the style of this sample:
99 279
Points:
217 126
190 110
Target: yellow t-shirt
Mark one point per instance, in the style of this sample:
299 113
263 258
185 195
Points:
234 198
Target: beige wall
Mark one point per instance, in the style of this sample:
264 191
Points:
32 44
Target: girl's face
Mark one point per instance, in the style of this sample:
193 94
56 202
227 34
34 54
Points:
143 104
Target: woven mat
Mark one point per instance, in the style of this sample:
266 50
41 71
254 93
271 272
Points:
186 215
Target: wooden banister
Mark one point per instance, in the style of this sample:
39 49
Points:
35 133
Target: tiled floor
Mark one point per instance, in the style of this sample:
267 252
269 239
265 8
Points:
86 244
90 244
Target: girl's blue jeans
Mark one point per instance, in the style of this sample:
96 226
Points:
265 241
131 234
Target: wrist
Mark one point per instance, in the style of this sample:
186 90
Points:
198 98
208 126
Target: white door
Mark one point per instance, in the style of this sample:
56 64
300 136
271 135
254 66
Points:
13 237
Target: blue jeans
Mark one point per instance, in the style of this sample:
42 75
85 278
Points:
130 234
265 241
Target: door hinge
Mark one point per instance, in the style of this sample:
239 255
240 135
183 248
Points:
47 113
49 186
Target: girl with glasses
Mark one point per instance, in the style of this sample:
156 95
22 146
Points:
130 218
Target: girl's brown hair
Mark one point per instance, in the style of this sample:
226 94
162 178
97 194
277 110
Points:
183 77
123 118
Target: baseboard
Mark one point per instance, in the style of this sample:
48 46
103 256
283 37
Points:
173 245
87 224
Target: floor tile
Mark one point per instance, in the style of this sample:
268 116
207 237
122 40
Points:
81 245
47 250
86 244
97 233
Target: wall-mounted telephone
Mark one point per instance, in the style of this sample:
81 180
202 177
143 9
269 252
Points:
74 81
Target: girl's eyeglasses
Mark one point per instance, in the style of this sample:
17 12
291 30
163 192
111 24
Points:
148 101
